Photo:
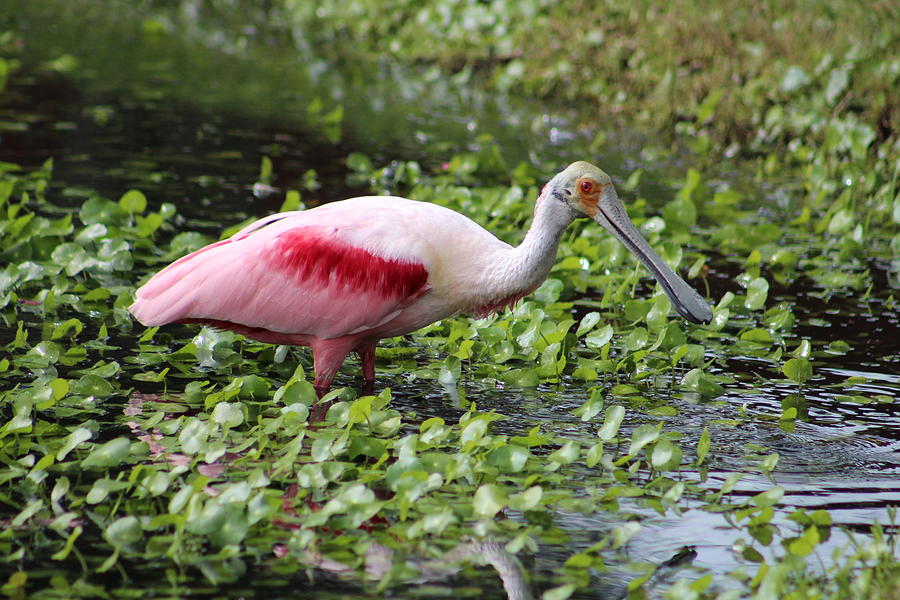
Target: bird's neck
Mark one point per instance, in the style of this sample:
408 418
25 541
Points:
520 270
536 254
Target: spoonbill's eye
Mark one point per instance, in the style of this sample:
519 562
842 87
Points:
586 187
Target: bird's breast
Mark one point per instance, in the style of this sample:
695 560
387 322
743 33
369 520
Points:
496 305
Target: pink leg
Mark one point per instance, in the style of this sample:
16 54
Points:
328 356
367 356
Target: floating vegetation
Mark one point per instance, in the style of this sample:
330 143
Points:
584 442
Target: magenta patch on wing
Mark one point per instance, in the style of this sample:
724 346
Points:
499 306
309 256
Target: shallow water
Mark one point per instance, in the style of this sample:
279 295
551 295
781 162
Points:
110 135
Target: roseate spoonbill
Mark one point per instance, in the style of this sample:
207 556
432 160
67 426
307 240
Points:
342 276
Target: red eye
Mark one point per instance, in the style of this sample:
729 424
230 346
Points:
587 187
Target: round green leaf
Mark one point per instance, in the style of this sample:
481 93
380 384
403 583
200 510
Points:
126 530
614 416
798 369
587 323
643 435
133 201
769 498
228 414
666 456
757 292
599 338
489 500
109 454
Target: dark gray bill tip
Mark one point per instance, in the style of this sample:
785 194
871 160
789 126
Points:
685 299
700 314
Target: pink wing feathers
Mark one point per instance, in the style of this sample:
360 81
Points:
285 275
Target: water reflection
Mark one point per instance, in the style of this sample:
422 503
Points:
380 561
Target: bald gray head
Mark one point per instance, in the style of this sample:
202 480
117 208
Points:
589 192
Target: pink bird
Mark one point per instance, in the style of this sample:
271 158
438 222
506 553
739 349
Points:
342 276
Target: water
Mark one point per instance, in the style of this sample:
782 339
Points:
172 128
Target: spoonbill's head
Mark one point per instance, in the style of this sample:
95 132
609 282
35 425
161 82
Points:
589 192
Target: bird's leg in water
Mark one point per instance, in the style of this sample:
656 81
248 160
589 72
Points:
367 357
323 380
327 358
321 384
317 413
319 409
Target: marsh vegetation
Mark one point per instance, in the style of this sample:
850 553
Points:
587 442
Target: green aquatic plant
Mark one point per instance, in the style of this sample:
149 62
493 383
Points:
184 459
117 450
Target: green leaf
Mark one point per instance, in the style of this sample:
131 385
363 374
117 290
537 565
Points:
643 435
92 385
71 441
769 463
228 414
103 487
193 436
770 497
757 336
610 428
233 528
730 483
696 380
529 499
798 369
806 543
703 446
65 327
265 170
588 322
594 455
665 456
489 500
70 543
708 106
210 518
757 292
109 454
568 453
794 79
837 83
560 593
549 291
510 458
521 378
592 407
32 508
450 371
803 350
133 201
842 221
126 530
296 392
98 210
599 338
637 339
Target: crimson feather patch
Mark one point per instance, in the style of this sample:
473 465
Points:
308 255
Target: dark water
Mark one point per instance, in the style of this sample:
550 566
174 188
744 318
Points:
152 116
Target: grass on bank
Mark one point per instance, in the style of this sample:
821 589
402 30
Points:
720 65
